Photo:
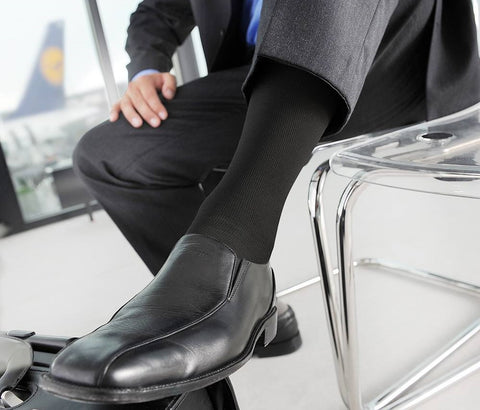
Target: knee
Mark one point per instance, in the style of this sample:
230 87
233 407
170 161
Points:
91 150
116 153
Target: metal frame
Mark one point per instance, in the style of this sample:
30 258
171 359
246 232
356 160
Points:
10 214
186 62
102 51
339 298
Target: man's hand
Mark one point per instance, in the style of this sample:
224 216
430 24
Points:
141 102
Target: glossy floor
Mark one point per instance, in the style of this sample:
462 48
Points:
70 277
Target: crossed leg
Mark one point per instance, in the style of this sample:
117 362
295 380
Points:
148 179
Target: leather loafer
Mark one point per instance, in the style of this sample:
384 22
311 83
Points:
197 322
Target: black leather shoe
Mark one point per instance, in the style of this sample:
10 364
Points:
288 338
196 323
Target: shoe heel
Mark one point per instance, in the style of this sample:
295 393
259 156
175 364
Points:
270 328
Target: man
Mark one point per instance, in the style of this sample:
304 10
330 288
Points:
320 69
151 44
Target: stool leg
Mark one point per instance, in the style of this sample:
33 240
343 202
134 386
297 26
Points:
413 397
349 335
347 305
317 219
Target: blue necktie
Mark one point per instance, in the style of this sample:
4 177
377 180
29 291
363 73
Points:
252 9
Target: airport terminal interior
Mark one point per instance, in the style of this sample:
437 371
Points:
65 268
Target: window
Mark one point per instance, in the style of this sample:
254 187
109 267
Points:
52 92
115 19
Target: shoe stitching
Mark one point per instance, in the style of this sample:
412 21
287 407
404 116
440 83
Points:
246 264
156 339
181 329
248 352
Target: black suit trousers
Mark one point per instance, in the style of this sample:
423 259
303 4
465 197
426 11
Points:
151 181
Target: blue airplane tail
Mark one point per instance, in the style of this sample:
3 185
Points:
45 89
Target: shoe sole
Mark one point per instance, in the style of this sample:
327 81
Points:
267 328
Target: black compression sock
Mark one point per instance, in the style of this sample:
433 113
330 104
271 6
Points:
288 112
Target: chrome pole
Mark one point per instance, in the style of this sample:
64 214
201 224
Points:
347 305
423 275
421 371
410 400
102 51
187 61
316 209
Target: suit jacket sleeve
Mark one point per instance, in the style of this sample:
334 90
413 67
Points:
156 29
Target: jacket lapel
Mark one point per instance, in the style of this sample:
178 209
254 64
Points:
212 18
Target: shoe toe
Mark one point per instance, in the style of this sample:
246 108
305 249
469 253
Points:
169 363
196 322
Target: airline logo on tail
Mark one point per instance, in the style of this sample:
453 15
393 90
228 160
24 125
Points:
45 89
51 65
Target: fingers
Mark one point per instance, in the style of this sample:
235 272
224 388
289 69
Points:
142 106
141 101
151 97
129 112
115 112
169 86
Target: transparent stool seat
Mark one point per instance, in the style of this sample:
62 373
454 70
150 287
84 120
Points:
440 157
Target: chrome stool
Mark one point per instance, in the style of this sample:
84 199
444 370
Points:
440 157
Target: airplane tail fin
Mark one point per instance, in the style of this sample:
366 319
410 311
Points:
45 89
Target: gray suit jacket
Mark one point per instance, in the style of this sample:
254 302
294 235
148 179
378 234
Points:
414 57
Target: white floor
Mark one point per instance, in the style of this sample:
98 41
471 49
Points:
69 277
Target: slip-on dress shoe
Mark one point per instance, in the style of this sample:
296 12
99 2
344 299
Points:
196 323
288 338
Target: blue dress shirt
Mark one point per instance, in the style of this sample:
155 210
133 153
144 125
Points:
250 20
